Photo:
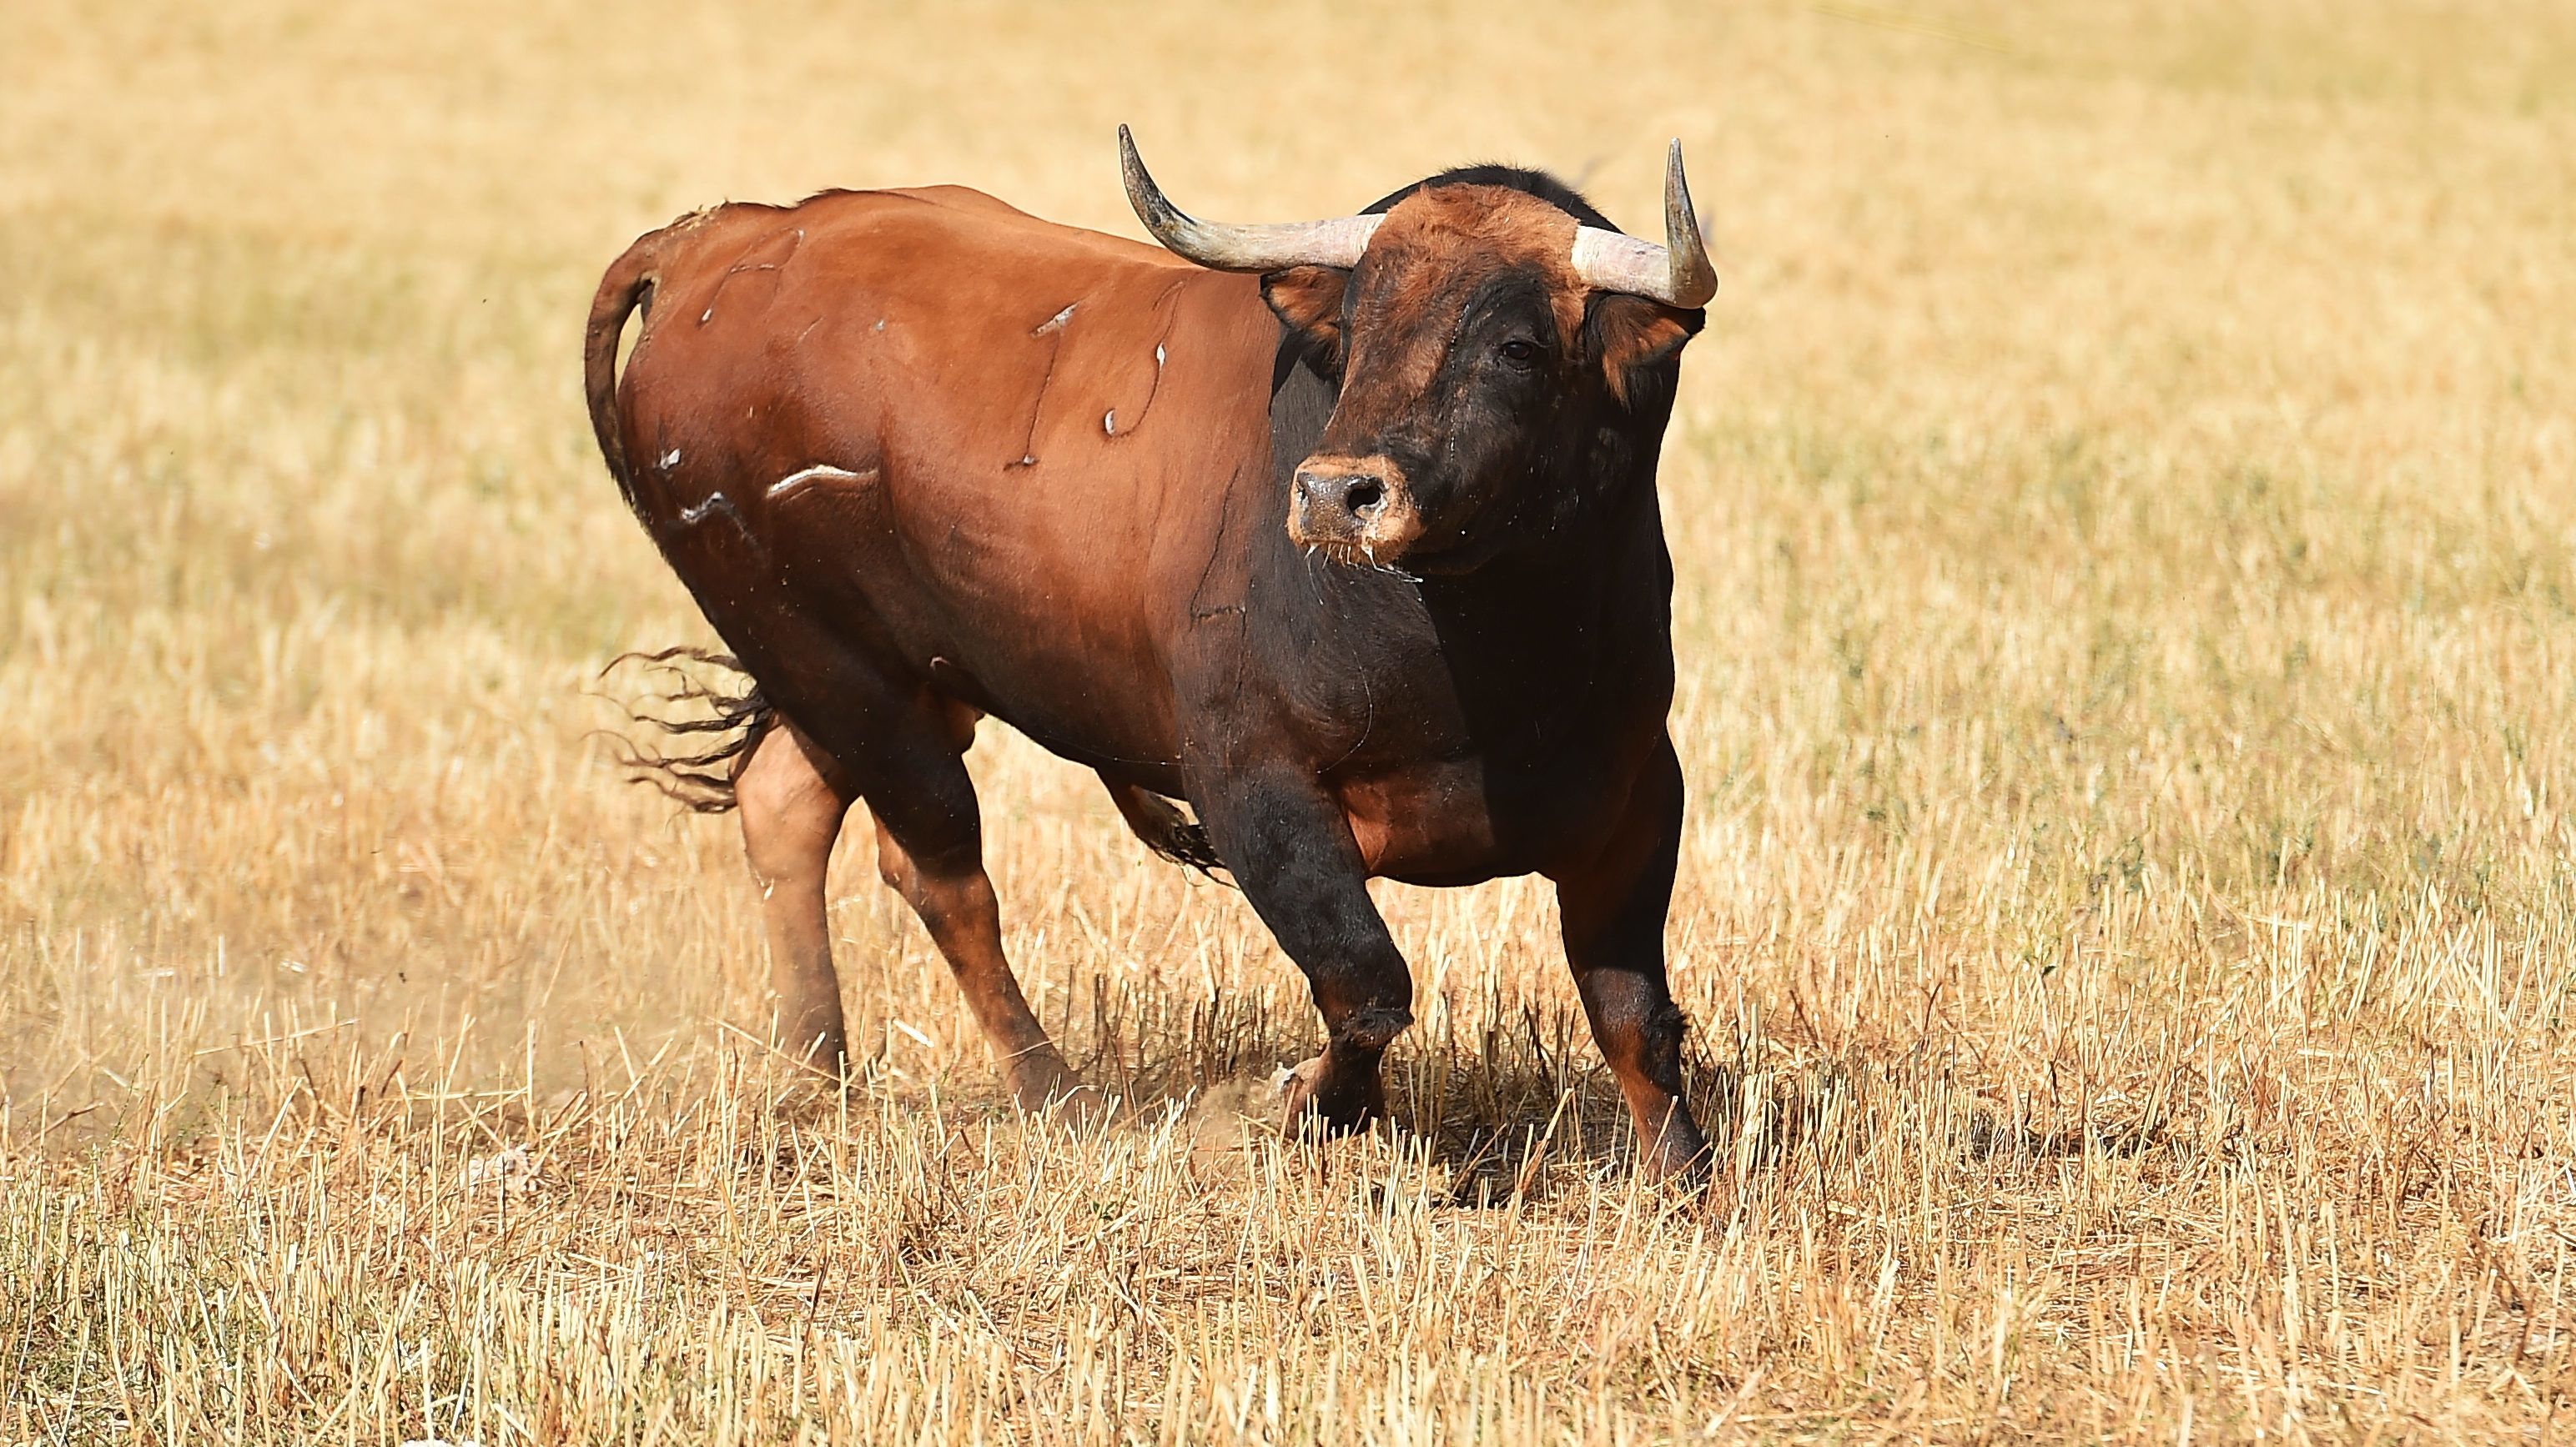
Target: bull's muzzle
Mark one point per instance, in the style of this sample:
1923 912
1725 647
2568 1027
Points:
1358 509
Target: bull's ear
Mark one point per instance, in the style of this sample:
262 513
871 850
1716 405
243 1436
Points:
1631 335
1309 300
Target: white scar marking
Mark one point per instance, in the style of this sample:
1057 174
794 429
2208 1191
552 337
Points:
819 471
692 516
670 459
1055 323
1158 354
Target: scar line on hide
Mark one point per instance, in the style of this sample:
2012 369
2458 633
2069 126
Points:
816 473
716 502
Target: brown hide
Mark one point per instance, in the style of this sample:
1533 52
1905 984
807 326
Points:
1028 430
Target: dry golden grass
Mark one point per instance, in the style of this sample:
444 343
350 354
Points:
2124 503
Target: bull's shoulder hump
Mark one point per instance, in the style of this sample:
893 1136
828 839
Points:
955 198
973 220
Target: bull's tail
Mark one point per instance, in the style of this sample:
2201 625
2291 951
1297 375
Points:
628 283
717 724
716 721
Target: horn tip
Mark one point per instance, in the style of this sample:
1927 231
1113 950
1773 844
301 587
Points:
1131 169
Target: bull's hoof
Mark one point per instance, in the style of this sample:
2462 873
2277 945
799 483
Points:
1676 1156
1082 1107
1309 1104
824 1051
1049 1088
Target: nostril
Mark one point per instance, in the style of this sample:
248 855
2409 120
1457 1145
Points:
1327 493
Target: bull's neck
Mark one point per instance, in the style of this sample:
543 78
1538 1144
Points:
1556 596
1549 610
1549 614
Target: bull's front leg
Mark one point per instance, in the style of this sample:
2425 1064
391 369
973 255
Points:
1612 911
1290 848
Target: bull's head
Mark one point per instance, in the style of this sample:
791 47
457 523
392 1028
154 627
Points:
1496 356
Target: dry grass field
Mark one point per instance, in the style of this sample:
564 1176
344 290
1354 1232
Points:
2125 505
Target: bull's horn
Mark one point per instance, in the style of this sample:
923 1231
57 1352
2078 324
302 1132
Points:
1337 242
1677 273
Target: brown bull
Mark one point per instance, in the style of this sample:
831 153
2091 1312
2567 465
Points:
1345 533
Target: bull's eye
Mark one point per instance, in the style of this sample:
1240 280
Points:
1519 351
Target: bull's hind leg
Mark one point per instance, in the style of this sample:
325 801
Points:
930 849
955 900
903 754
792 799
899 747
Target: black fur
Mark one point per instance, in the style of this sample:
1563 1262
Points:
1513 178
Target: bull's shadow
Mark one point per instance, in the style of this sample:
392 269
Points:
1506 1092
1489 1085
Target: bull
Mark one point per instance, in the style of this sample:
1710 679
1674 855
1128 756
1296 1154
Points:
1342 534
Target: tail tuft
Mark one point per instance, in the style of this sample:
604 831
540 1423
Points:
720 722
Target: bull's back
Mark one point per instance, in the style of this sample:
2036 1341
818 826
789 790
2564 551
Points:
996 447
